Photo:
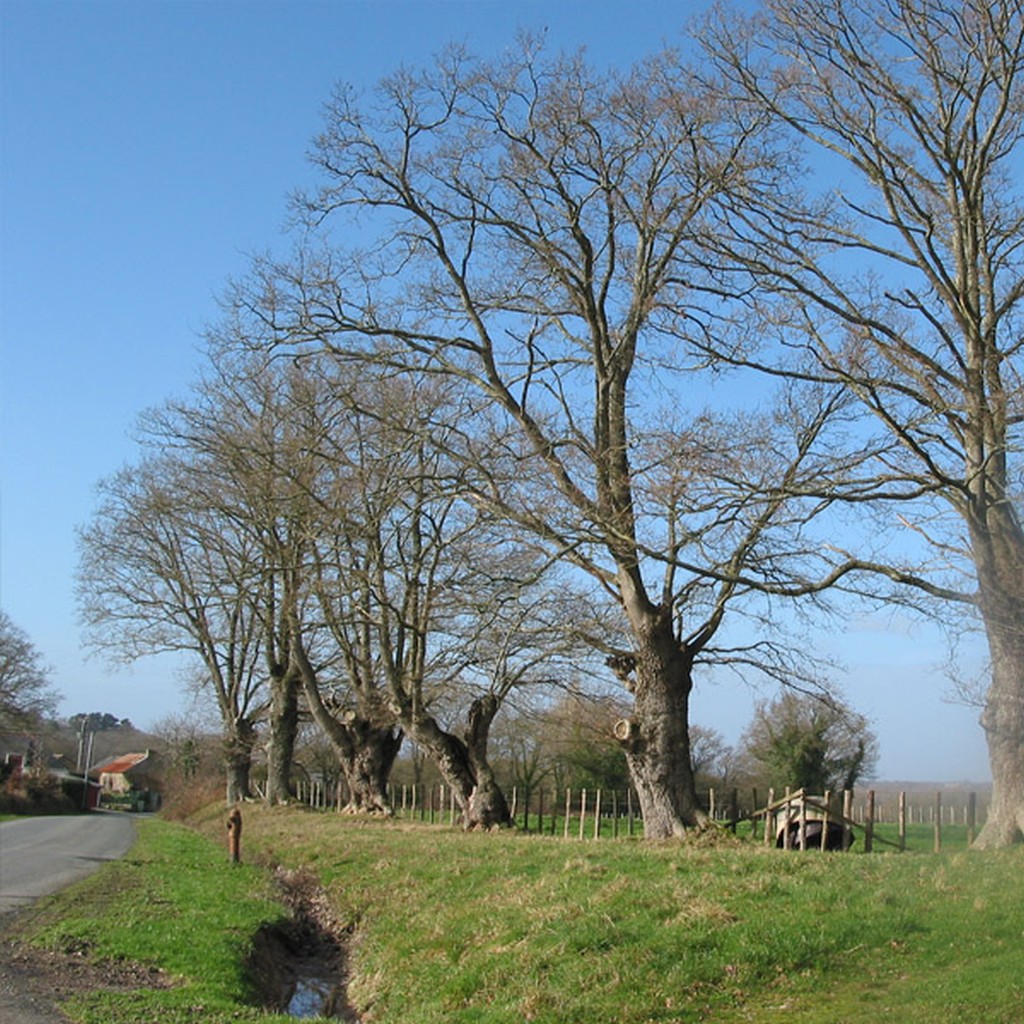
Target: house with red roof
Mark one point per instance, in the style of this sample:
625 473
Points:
130 775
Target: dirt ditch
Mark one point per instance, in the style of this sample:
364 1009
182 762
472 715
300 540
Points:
299 966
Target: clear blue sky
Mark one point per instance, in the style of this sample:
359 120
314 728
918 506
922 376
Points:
145 149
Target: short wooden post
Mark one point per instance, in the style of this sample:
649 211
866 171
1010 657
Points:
938 821
803 823
972 817
583 813
235 836
769 818
597 815
568 809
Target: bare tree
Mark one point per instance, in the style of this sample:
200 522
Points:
248 425
892 264
161 571
535 227
25 693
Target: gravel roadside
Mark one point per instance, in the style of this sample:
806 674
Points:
33 982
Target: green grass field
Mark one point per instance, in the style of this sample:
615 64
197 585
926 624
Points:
489 929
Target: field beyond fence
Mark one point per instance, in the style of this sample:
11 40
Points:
881 819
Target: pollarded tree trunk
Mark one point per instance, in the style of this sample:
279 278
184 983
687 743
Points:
486 805
365 747
656 739
283 730
238 747
366 759
464 766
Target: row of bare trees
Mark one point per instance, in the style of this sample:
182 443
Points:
712 340
297 531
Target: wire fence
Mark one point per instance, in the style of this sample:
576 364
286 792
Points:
885 818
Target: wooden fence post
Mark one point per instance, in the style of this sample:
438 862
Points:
568 808
869 825
583 812
972 816
938 821
597 815
823 845
769 818
903 822
787 837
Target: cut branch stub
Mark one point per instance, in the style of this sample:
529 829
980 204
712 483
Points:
626 730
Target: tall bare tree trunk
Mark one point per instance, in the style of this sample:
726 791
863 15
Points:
999 555
1003 722
238 747
283 730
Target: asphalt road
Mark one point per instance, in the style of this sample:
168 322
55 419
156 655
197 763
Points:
41 855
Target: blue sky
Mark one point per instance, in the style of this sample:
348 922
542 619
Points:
145 149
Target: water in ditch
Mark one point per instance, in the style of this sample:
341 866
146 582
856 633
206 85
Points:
298 965
317 990
300 973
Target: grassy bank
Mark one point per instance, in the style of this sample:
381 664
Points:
492 929
174 903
